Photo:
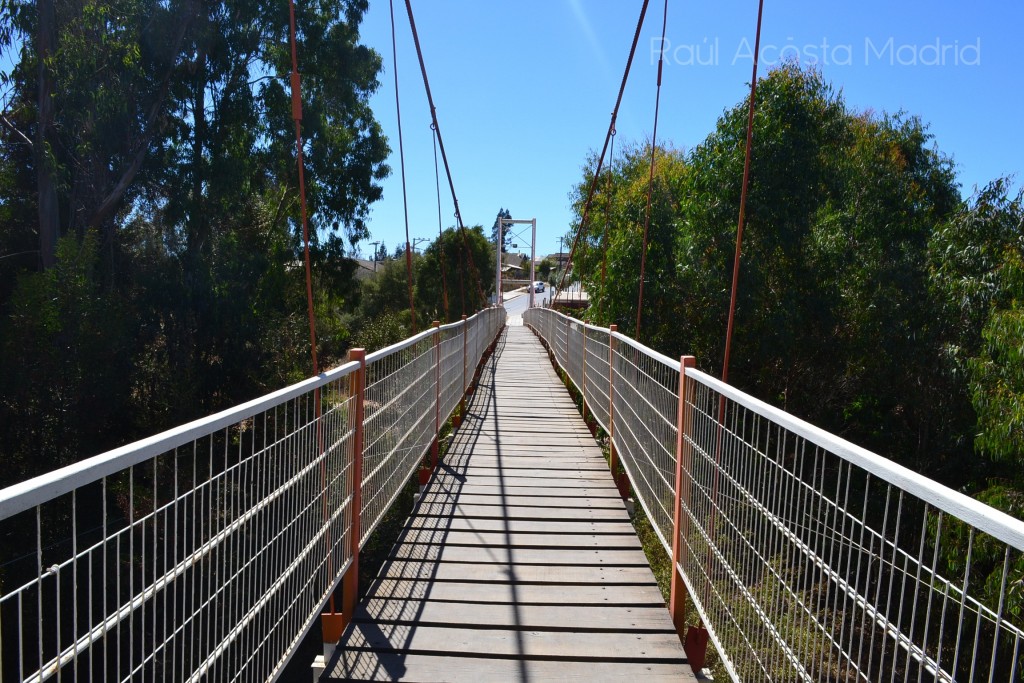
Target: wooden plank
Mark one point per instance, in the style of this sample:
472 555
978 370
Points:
473 489
528 473
496 539
660 647
519 512
534 461
646 595
501 572
616 618
435 552
522 525
393 666
448 478
529 500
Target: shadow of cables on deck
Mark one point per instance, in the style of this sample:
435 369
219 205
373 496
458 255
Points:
376 644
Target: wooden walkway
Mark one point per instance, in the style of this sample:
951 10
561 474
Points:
520 563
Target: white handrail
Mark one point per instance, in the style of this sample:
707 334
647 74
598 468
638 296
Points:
32 492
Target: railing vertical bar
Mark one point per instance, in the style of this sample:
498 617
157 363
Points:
917 583
465 362
999 614
435 446
613 454
928 612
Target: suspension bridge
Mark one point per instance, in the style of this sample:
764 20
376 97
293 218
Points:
207 552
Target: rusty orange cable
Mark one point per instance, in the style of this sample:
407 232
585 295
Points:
296 92
401 162
743 198
604 150
297 118
440 232
650 179
474 273
736 264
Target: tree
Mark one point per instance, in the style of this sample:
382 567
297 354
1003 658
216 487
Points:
448 252
381 253
505 229
161 132
834 264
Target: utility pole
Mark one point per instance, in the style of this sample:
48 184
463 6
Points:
375 254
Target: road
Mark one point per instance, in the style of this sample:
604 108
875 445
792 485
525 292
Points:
519 304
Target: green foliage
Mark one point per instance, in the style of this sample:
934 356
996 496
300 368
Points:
387 291
505 229
63 368
169 151
383 330
835 262
997 372
445 262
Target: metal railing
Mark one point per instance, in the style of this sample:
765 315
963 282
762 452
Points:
206 552
806 557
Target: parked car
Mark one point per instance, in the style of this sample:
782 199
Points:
538 286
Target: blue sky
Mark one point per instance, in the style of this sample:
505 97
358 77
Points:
524 89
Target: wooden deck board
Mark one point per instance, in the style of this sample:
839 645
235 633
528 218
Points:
519 562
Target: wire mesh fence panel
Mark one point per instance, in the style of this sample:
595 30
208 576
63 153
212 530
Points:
400 404
559 339
812 559
597 368
200 554
574 352
646 405
451 350
205 552
807 557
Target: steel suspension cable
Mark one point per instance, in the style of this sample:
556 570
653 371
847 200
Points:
296 93
743 198
401 159
474 273
650 178
440 243
607 140
608 211
735 272
297 118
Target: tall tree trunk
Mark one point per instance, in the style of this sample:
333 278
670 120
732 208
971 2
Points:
49 215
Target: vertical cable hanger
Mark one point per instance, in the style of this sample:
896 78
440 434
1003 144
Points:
650 179
297 118
401 158
735 270
296 92
743 198
440 243
474 274
604 150
608 213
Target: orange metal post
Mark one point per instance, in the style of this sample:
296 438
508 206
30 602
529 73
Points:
465 364
613 455
583 378
334 624
437 395
696 648
568 329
